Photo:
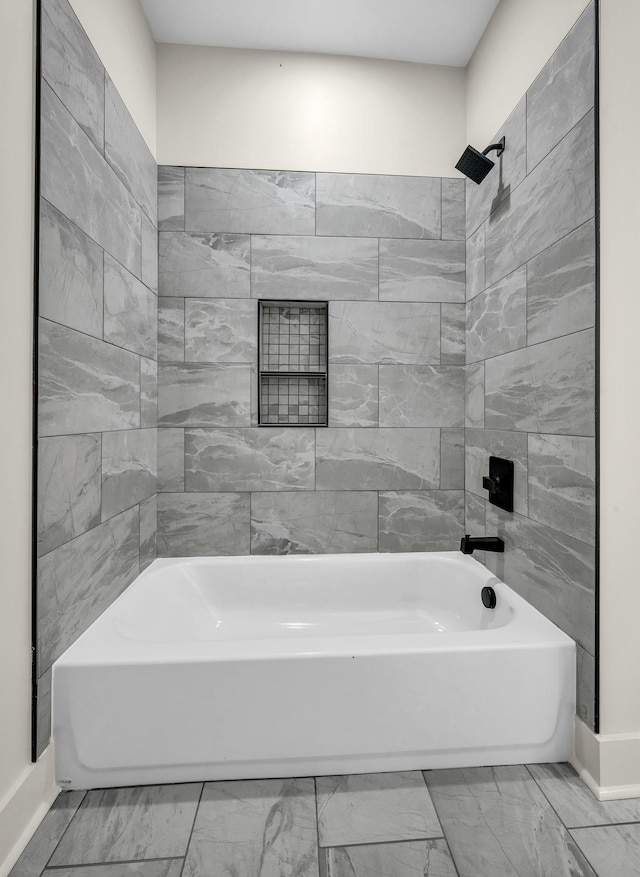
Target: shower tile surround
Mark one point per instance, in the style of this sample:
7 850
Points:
98 333
530 347
141 329
388 256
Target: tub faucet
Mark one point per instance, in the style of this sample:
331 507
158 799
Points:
469 544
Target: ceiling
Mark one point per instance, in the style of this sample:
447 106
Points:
424 31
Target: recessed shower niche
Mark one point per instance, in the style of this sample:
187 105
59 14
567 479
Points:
293 363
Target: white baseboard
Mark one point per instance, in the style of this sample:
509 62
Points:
24 808
609 764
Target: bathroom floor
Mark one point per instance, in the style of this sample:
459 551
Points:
476 822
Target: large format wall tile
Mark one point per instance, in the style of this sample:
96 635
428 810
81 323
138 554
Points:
77 180
453 210
310 522
372 205
129 469
483 443
510 169
422 270
130 311
265 827
562 472
452 334
203 265
148 531
421 520
149 271
72 68
170 198
353 395
476 263
170 329
561 286
545 388
384 332
451 459
474 396
148 393
203 524
80 579
497 318
585 686
421 395
198 394
85 385
249 459
554 199
564 90
377 459
249 201
69 482
308 267
171 460
552 571
71 282
220 330
127 152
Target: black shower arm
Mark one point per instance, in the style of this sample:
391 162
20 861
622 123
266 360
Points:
499 147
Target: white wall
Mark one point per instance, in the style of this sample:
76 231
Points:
238 108
620 368
122 38
24 790
519 40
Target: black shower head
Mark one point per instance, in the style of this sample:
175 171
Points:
476 165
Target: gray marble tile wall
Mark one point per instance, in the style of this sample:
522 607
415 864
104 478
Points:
530 346
98 336
388 255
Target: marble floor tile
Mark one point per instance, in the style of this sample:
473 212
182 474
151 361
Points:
424 858
255 827
141 822
157 868
47 835
374 808
499 824
614 851
575 803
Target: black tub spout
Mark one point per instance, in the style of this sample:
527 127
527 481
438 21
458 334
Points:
469 544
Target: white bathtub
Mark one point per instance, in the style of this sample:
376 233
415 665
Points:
247 667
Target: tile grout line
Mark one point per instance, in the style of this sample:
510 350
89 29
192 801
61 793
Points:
321 870
195 818
440 822
109 864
